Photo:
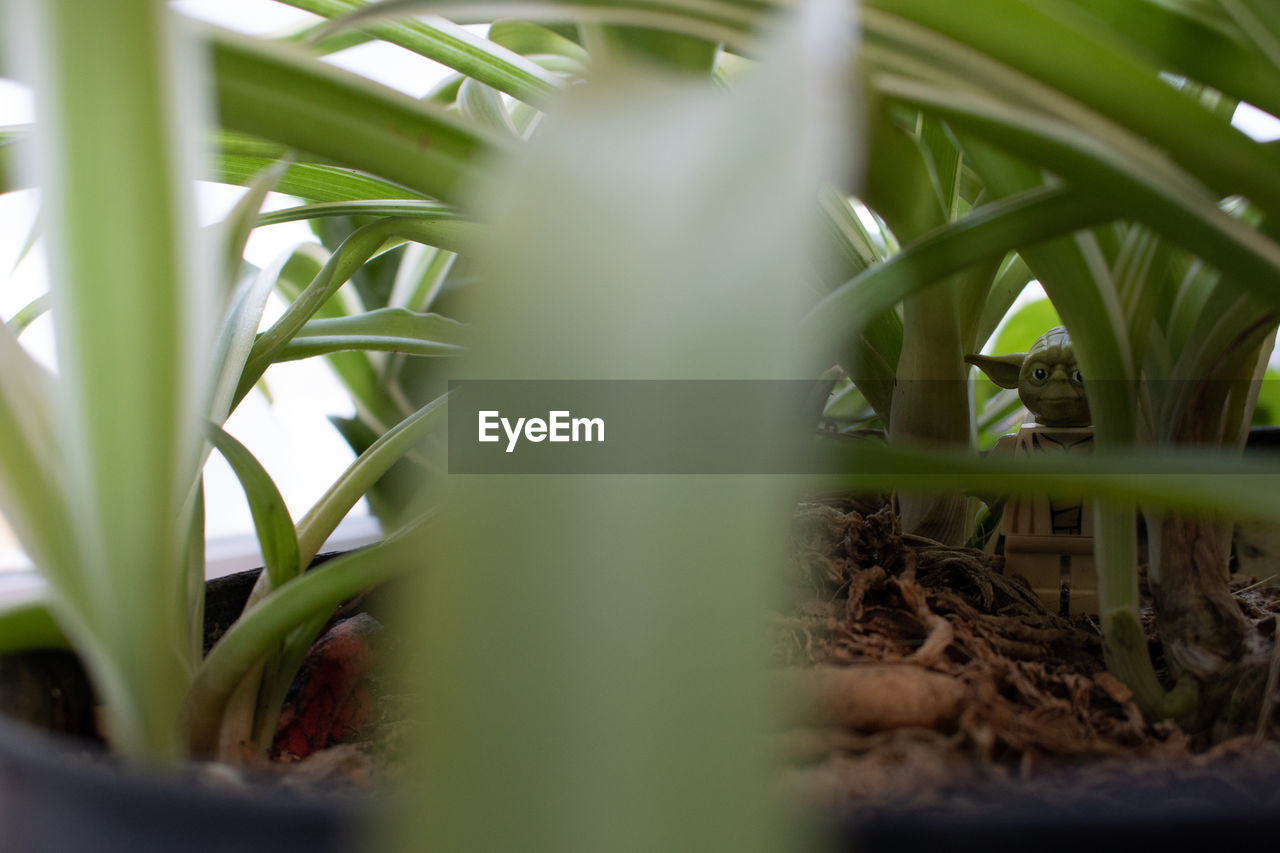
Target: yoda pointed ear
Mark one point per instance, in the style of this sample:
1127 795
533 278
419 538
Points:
1000 369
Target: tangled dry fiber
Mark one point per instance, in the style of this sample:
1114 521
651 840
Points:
938 680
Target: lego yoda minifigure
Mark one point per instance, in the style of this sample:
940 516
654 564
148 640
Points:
1049 541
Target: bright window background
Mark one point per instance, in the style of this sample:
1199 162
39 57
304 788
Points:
290 436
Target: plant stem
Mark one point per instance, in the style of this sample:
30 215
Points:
259 631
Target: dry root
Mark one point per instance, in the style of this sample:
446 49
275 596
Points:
933 669
873 698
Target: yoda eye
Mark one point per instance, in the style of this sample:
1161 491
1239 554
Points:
1040 374
1076 377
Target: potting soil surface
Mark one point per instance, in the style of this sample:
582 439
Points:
993 694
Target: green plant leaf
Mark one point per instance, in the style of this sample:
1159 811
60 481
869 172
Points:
421 274
277 92
1141 188
341 265
1260 24
483 104
29 313
236 337
1212 483
1010 282
1069 51
33 236
323 518
717 21
117 134
271 517
1199 42
403 208
453 46
1025 326
240 222
266 625
29 625
384 329
987 232
312 181
529 39
637 166
355 369
31 498
238 158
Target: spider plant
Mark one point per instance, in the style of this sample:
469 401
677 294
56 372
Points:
1047 134
1100 137
101 463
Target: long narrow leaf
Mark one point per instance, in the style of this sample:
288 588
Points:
712 20
353 368
236 337
282 94
29 313
117 135
238 158
483 104
385 329
1051 41
989 231
354 251
528 39
453 46
323 518
240 222
1195 42
268 623
271 517
1137 187
405 208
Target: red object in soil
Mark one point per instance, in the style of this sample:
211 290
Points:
330 700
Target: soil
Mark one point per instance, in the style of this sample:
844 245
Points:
1021 702
945 686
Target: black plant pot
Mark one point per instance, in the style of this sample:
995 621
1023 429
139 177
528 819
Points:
65 795
53 799
1212 813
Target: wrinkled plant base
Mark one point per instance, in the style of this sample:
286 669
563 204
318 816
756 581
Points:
331 700
939 682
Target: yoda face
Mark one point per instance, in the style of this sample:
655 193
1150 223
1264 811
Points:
1048 381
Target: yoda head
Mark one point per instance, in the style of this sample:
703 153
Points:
1046 377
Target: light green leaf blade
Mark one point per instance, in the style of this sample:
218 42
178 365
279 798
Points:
243 218
1053 42
280 93
29 313
323 518
269 623
987 232
483 104
362 245
384 329
118 132
363 207
529 39
1143 188
271 519
451 45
